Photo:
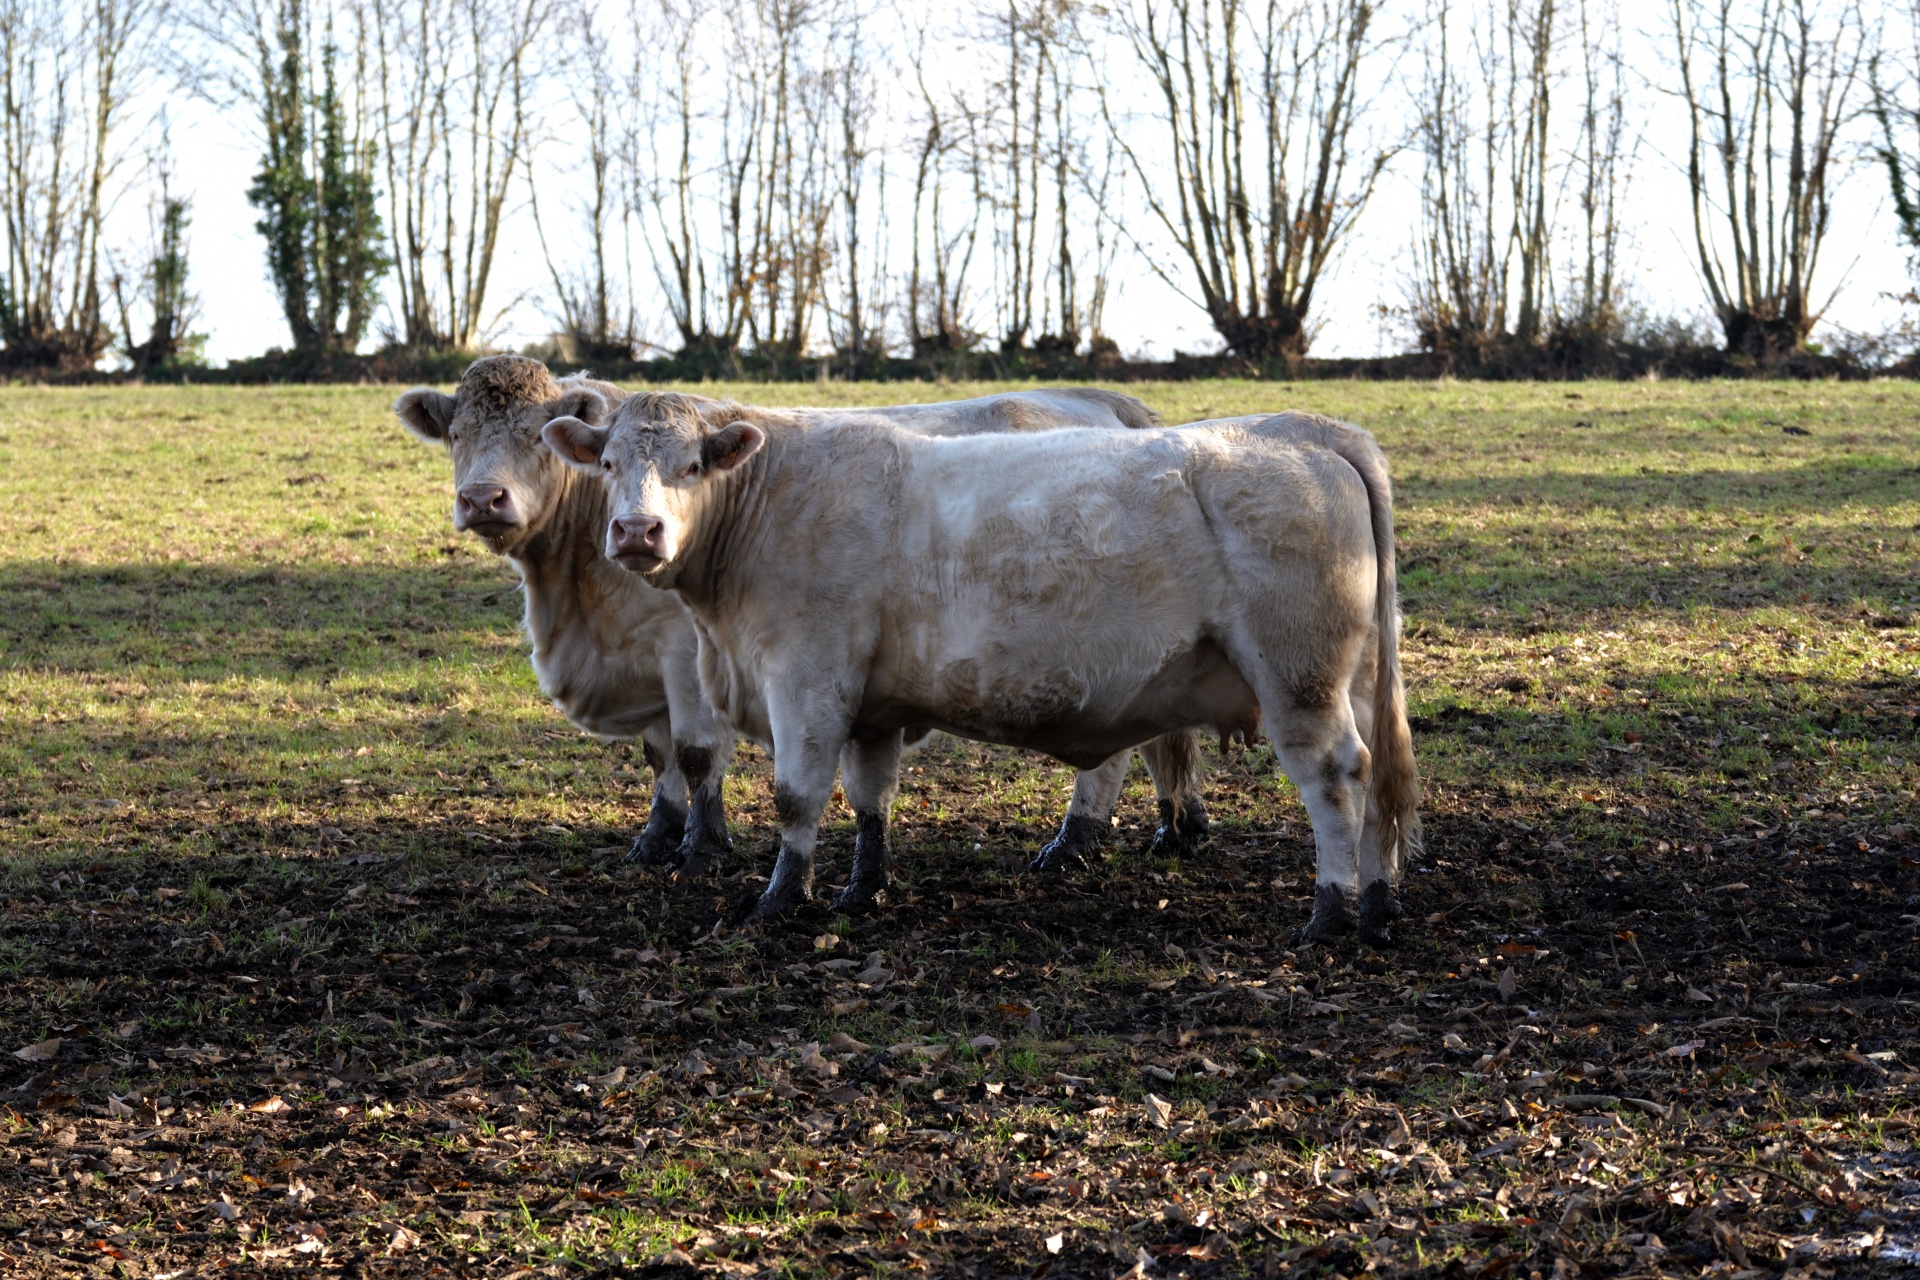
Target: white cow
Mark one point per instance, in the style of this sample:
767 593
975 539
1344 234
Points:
1070 591
618 656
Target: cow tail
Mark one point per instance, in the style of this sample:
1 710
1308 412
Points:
1394 784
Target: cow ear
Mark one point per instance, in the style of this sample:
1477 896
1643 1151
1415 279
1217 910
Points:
731 445
427 413
574 442
583 403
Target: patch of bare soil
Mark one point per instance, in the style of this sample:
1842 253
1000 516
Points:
508 1059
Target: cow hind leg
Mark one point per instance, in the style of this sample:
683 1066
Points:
1379 873
1089 817
706 841
658 841
870 771
1322 753
1173 760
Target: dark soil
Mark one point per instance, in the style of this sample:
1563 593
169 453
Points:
503 1058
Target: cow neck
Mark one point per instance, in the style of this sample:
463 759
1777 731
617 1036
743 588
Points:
561 565
722 544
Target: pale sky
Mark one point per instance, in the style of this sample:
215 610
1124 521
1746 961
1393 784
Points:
215 162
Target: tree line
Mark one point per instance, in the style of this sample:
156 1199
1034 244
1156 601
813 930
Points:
795 179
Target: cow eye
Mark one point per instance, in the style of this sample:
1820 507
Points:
694 470
605 465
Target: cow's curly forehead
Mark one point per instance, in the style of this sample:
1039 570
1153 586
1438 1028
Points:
494 384
660 424
499 397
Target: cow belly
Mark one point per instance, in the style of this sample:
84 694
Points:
1074 713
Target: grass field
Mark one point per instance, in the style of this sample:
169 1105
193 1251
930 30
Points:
318 952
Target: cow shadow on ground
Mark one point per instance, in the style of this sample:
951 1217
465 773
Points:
198 621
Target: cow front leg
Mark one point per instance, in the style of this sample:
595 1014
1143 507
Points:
803 769
870 771
658 843
1089 818
1173 761
706 840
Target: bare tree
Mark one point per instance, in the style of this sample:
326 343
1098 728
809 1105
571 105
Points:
1486 216
687 173
1263 175
857 322
778 47
1035 125
1894 79
734 175
1767 84
595 322
67 73
455 78
1591 308
949 199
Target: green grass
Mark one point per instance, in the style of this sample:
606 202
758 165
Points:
244 610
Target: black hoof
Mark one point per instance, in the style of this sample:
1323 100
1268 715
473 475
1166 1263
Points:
646 851
697 859
1079 837
1182 831
859 896
658 844
1378 906
1332 917
780 899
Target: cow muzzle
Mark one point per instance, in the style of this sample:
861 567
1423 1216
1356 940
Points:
485 509
638 543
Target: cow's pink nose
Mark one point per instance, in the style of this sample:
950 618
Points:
639 533
482 503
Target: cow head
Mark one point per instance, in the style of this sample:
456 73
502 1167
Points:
505 481
660 456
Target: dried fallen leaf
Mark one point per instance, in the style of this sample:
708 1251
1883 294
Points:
826 942
1685 1050
1508 984
614 1077
844 1043
270 1106
225 1210
42 1051
1055 1243
984 1043
847 1008
1159 1111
